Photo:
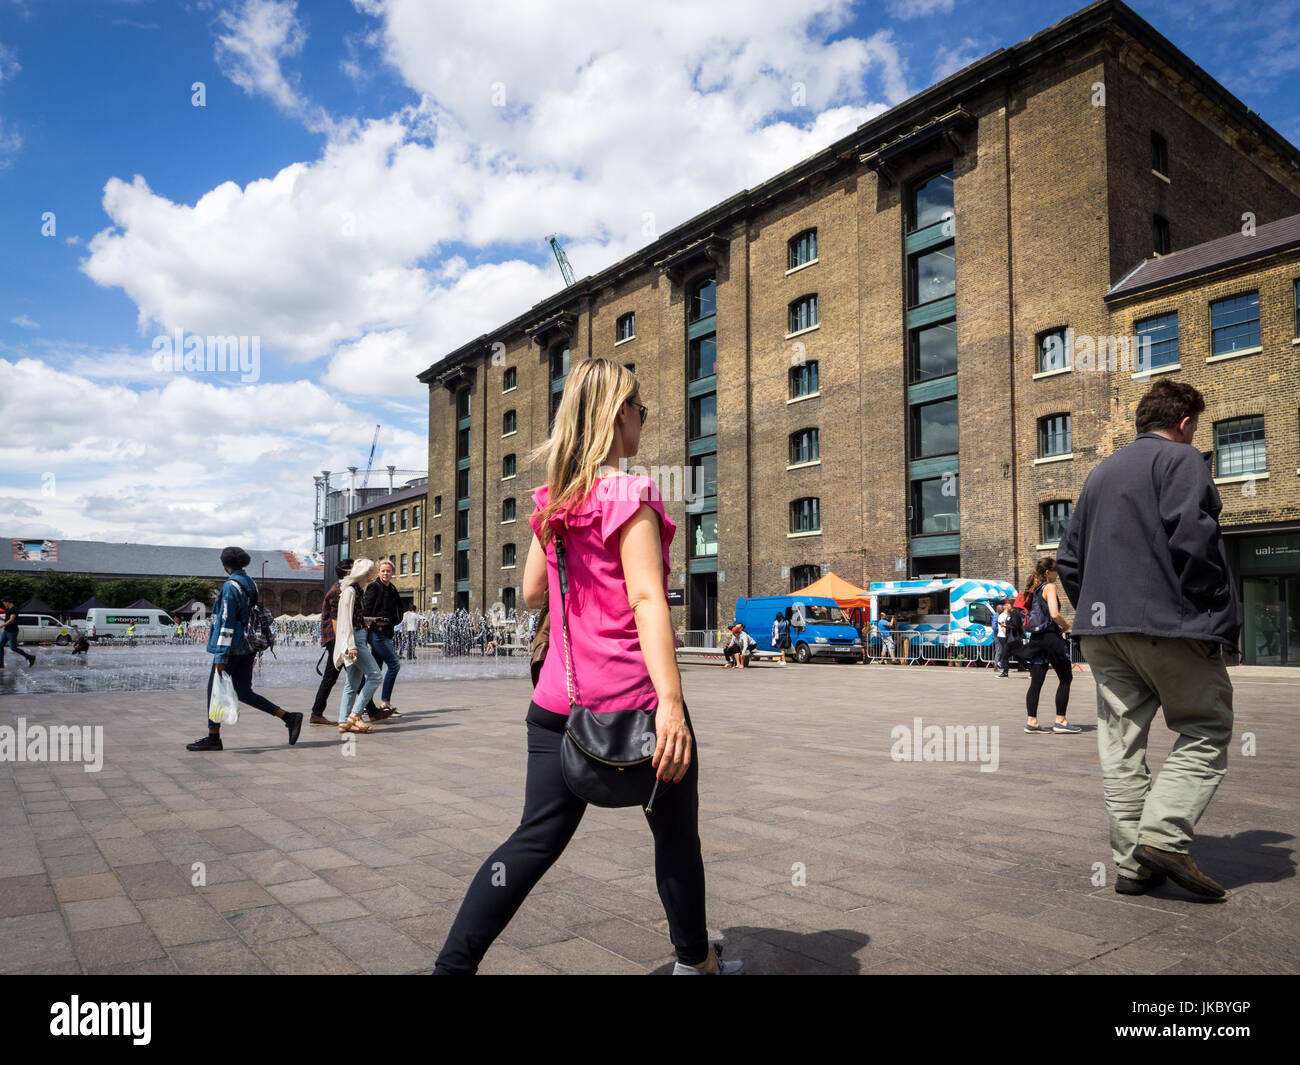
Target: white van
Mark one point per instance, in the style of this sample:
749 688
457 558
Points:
111 622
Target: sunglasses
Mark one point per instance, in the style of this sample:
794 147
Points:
644 410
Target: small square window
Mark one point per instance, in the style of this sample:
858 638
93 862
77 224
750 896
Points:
1234 324
1157 341
1055 520
1054 435
803 313
803 379
805 515
625 328
1239 447
802 249
1054 350
1159 155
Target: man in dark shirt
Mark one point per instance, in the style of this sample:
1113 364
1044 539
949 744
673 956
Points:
384 605
10 637
1143 562
328 619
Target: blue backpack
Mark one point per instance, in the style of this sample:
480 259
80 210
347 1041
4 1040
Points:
1039 619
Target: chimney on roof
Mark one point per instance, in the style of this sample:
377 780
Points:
352 489
391 471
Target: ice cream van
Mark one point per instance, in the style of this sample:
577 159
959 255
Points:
949 611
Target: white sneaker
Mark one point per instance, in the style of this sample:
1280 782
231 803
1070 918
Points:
725 968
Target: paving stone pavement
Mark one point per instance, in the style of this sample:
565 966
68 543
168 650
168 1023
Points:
823 854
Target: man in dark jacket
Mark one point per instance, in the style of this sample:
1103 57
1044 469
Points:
384 605
1143 563
328 618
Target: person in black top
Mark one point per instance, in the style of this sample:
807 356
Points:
328 619
10 637
384 605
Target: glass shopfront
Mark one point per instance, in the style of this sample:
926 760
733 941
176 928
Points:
1269 566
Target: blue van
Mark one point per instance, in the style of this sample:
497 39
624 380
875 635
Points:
818 627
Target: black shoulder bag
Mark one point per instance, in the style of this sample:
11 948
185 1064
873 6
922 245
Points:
605 757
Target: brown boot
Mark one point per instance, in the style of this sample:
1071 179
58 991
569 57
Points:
316 719
1179 868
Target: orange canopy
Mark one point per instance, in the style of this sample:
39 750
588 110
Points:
845 593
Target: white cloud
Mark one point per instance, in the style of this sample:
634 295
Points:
962 54
261 36
656 114
183 462
912 9
25 322
14 507
410 235
72 241
8 63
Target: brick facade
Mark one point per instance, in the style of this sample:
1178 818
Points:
1052 200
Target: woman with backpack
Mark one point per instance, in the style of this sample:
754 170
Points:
1045 629
611 652
228 644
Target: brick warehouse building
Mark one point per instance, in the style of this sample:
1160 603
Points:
392 527
853 362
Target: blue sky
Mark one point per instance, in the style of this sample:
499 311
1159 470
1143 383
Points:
368 185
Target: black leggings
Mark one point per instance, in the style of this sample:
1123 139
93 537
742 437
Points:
550 818
1049 652
240 670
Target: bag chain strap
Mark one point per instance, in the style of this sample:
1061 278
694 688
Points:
569 682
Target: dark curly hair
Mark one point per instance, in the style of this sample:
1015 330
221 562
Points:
1167 403
235 557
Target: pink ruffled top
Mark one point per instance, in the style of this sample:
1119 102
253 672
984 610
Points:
608 666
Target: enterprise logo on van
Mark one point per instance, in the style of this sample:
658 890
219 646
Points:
128 619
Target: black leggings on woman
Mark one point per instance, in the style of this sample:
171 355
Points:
1049 651
551 816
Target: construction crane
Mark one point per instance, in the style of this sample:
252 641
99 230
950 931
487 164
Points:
370 462
562 259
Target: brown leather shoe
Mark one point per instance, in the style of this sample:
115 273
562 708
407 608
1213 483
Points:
316 719
1179 868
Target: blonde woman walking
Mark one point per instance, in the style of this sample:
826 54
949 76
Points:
352 649
621 656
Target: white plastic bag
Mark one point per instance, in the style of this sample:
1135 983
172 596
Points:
223 709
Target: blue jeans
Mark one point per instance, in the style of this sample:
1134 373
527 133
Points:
10 638
362 678
382 648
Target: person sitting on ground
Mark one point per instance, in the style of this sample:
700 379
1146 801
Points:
740 646
82 645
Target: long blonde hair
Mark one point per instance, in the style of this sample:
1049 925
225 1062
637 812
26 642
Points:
360 567
583 433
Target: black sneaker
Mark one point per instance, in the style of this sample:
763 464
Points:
208 743
294 724
1127 885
